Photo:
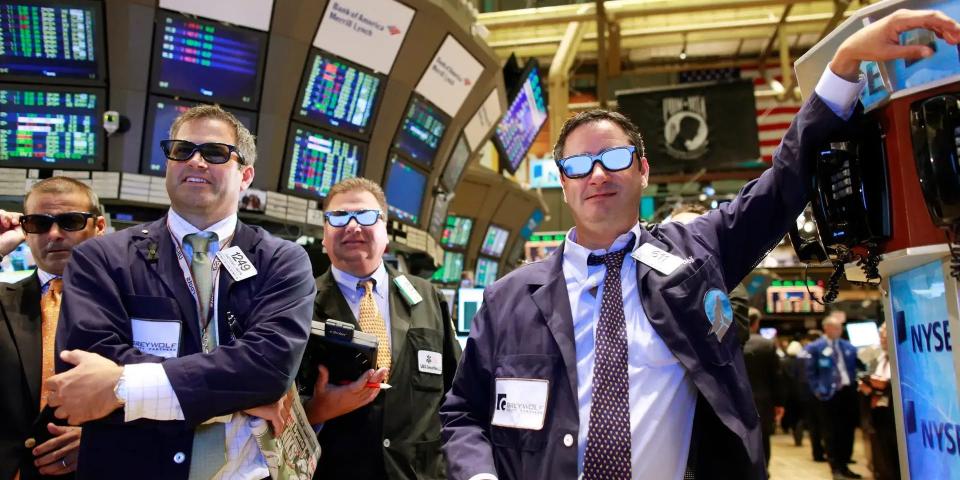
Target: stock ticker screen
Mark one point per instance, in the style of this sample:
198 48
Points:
50 40
486 272
494 241
316 160
43 127
207 61
339 95
519 127
456 234
421 131
405 188
161 112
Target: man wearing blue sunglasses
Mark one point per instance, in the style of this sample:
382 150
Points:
616 358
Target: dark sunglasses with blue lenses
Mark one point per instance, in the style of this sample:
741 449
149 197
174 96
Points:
38 223
182 150
612 159
340 218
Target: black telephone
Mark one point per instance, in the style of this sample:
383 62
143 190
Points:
852 195
935 131
805 238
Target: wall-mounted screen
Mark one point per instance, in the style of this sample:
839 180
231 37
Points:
55 41
525 117
863 334
456 164
486 272
451 269
494 241
533 223
161 112
438 216
207 61
316 160
51 127
339 95
456 234
405 187
469 301
421 131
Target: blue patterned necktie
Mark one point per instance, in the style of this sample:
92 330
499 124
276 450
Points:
608 432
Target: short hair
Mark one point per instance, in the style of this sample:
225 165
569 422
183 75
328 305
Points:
831 320
354 184
246 143
754 315
597 115
64 185
689 208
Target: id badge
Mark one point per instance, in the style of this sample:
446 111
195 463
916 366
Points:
156 337
520 403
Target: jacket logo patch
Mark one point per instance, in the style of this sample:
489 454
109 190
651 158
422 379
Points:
719 312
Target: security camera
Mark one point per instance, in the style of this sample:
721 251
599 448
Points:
113 122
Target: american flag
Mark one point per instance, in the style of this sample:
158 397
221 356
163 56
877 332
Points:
773 116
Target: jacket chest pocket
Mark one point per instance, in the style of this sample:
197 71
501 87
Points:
424 347
700 306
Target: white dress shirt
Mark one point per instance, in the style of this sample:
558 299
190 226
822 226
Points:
353 295
147 392
45 278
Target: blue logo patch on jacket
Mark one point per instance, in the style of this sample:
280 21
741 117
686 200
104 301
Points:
719 312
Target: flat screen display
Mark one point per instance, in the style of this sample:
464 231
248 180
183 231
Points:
51 127
494 241
863 334
469 301
421 131
161 112
533 223
405 188
438 216
456 164
338 95
456 234
207 61
525 116
316 160
56 41
451 269
486 271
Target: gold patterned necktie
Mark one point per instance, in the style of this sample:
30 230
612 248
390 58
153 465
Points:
49 313
371 321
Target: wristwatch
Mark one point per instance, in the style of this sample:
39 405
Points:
120 389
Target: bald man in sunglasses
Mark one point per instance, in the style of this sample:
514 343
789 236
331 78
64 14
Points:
180 336
61 213
616 358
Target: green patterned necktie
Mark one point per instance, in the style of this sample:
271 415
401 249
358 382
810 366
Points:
209 440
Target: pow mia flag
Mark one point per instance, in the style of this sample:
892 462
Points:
704 125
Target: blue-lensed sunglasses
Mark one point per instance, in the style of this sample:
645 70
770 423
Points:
612 159
340 218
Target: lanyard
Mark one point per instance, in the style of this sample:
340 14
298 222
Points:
188 278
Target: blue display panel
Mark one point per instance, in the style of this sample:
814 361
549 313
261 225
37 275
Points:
945 61
338 95
494 241
51 127
451 269
457 232
56 41
207 61
405 188
316 160
456 164
486 272
161 112
525 117
421 131
925 364
533 223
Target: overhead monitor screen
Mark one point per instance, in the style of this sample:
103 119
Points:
59 41
486 272
405 188
457 232
207 61
161 112
438 216
339 95
51 127
316 160
451 269
421 131
494 241
525 116
863 334
455 166
469 301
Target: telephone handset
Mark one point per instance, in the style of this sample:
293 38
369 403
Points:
935 128
805 238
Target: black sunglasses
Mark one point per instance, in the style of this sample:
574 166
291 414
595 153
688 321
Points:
216 153
613 160
340 218
38 223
